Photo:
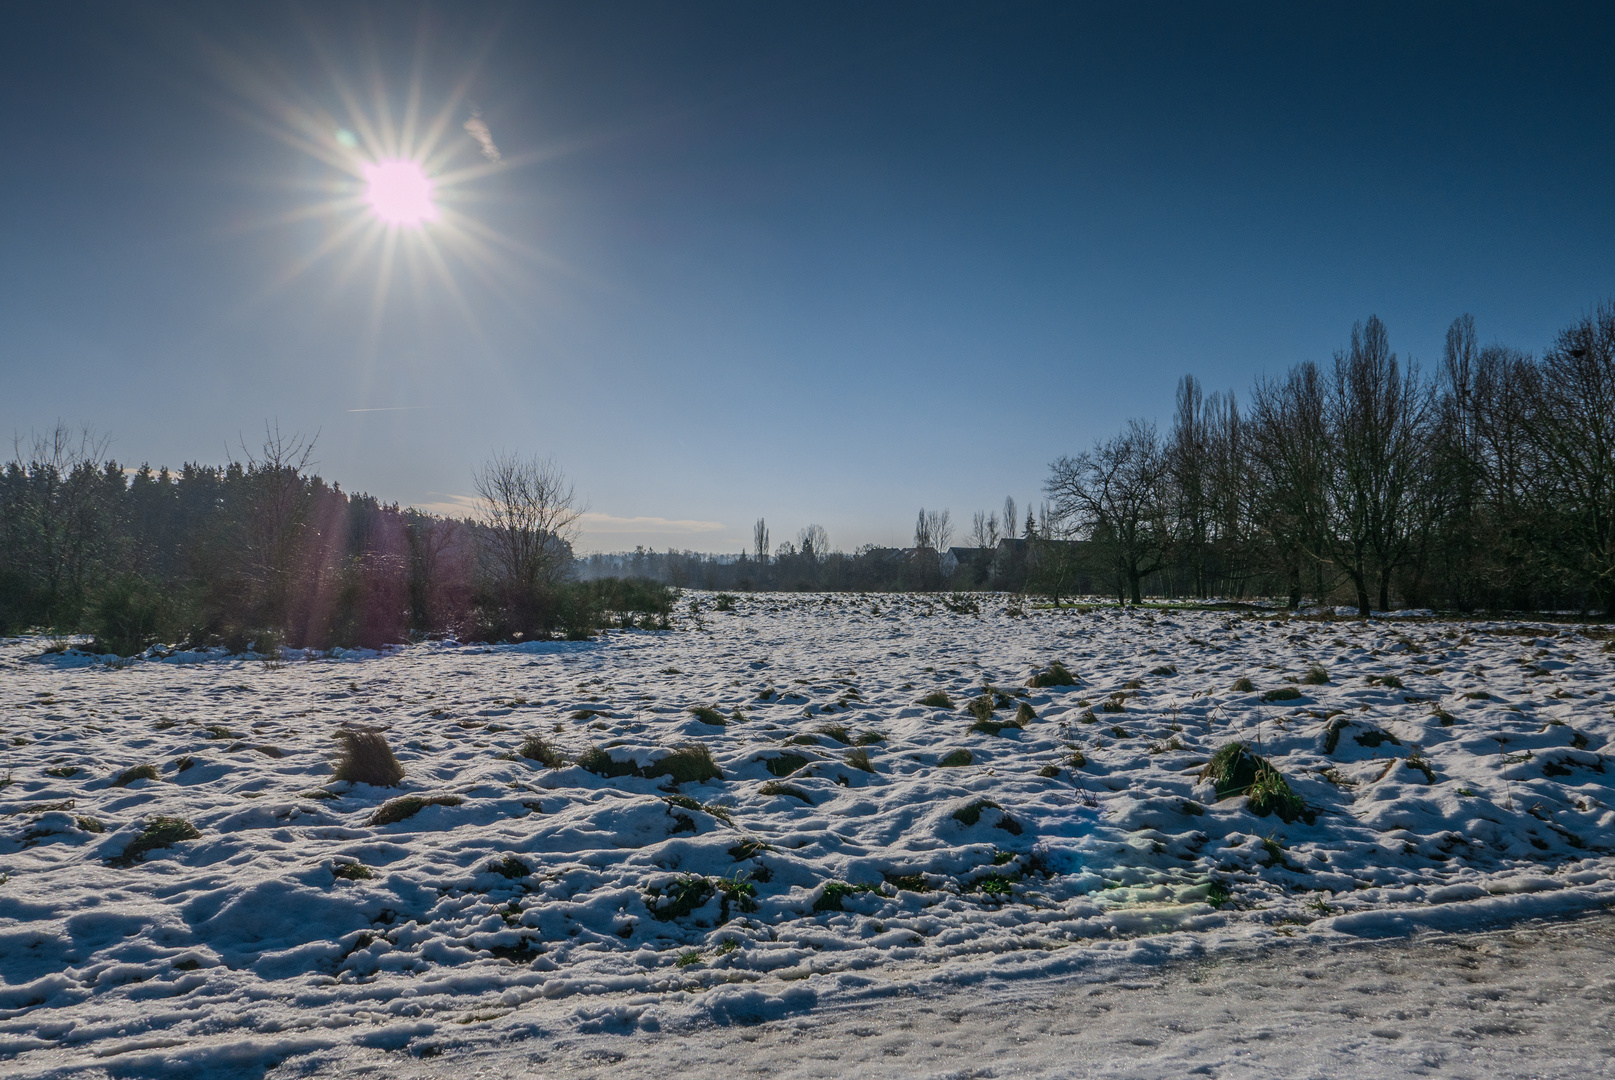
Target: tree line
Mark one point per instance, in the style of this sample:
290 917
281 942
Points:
1488 484
261 552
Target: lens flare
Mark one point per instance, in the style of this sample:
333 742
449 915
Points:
399 193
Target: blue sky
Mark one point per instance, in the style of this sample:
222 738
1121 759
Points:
823 263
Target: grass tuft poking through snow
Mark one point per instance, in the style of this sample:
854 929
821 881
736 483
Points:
1234 770
956 759
936 699
1243 685
708 715
1316 675
367 759
534 748
600 763
160 832
1055 674
776 787
859 759
407 806
139 772
689 764
835 892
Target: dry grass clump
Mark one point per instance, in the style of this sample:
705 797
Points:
1024 713
956 759
139 772
1316 675
407 806
1281 693
970 813
708 715
859 759
367 759
535 748
352 871
160 832
838 732
936 699
1243 685
775 787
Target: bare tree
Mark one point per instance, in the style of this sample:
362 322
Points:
530 511
1011 524
1188 454
1291 463
274 518
984 530
1111 497
813 542
759 541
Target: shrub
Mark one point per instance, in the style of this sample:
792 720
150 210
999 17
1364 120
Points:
128 615
691 763
600 763
1055 674
139 772
956 759
859 759
160 832
785 764
407 806
534 748
367 759
936 699
708 715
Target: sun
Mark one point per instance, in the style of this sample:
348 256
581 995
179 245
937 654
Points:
399 193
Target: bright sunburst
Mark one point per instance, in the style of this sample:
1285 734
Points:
399 193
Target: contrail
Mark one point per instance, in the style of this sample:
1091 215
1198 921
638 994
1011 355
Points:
396 408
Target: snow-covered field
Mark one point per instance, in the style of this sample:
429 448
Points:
1452 773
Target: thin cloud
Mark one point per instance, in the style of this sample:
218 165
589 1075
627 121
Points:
611 523
478 130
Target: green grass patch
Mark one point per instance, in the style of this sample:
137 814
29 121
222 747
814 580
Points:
352 871
785 764
139 772
1234 770
597 761
690 763
62 772
835 893
509 867
687 803
1281 693
708 715
160 832
1056 674
955 759
970 813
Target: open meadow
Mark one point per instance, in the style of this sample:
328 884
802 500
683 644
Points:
783 806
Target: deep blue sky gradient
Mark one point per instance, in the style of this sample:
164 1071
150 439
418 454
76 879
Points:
824 263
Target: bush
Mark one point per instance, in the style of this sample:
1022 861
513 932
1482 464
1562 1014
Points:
129 615
367 759
160 832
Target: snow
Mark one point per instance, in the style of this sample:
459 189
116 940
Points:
546 901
